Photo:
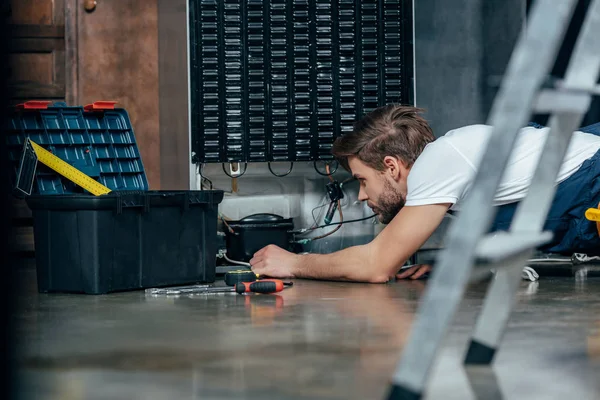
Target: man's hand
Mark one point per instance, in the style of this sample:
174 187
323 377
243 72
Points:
274 262
414 272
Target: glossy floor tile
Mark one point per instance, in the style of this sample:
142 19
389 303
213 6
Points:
316 340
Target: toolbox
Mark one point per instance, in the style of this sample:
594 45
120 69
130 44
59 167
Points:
130 238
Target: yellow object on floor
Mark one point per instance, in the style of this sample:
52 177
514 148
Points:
593 214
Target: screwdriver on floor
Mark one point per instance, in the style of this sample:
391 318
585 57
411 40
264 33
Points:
264 286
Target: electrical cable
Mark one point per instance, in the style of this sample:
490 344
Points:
339 224
229 228
348 221
245 264
203 178
344 193
329 173
326 165
315 223
341 221
285 173
306 230
337 228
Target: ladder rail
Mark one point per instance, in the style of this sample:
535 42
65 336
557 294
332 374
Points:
529 65
583 71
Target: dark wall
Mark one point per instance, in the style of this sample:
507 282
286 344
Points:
562 59
460 46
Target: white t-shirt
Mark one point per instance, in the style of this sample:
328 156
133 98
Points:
445 170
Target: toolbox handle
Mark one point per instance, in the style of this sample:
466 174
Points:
34 105
100 106
127 201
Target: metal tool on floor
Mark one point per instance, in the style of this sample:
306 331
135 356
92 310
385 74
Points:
467 246
264 286
33 152
177 289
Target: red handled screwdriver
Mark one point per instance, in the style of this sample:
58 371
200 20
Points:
263 286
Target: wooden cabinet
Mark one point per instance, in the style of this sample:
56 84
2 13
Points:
115 57
60 51
37 50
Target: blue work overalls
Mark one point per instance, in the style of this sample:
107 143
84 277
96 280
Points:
573 233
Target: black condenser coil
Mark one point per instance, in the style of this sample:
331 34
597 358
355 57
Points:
279 80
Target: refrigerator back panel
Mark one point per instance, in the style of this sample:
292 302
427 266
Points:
280 80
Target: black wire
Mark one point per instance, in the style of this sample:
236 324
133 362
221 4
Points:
313 213
284 174
203 178
346 222
337 164
209 181
314 226
336 223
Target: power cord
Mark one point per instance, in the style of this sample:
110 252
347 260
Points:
203 178
336 194
305 230
223 254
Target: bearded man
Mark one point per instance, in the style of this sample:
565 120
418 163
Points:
412 180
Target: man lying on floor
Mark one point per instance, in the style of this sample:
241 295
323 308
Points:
411 181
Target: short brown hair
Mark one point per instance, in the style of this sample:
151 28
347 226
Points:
391 130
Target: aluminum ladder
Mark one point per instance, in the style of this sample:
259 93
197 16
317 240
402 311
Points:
469 250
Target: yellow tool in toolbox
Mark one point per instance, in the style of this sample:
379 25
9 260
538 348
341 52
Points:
34 152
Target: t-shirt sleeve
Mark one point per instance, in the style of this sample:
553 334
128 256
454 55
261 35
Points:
441 174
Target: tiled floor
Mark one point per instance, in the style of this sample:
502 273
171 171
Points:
316 340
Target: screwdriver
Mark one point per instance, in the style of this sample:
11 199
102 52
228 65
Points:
262 286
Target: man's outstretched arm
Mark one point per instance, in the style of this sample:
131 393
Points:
376 262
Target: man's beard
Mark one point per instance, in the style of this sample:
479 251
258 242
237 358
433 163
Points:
389 203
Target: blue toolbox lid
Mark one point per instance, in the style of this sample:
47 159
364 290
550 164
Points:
97 139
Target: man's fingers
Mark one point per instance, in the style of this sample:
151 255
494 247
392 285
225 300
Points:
258 266
256 259
414 272
422 271
407 272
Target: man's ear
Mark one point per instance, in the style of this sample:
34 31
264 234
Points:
394 167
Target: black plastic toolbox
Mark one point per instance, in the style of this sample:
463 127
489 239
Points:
130 238
124 241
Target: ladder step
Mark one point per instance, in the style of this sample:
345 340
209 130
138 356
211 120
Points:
499 246
562 85
550 101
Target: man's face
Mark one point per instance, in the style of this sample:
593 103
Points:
384 194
